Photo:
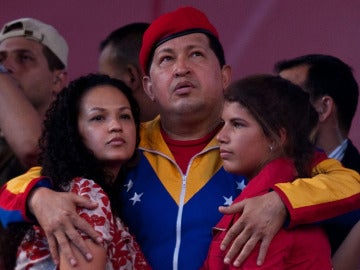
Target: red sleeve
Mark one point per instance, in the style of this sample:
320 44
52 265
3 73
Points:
13 196
332 191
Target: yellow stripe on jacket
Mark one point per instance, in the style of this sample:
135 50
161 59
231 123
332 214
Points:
19 184
333 190
162 161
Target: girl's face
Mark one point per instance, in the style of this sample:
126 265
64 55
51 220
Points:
107 126
244 148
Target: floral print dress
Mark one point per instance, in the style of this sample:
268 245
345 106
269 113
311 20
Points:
122 250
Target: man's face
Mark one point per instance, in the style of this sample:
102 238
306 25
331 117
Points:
185 76
298 75
25 61
107 64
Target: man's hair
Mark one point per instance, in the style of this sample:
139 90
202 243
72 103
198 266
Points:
126 42
328 75
54 63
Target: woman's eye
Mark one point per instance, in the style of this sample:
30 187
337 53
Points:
125 116
196 54
97 118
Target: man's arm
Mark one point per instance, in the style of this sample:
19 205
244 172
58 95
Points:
261 218
334 190
13 196
16 113
55 212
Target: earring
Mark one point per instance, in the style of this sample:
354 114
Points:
271 147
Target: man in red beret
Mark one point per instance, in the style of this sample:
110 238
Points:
170 199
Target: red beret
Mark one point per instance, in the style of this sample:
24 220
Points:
183 21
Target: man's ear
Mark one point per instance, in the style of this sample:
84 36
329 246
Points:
226 75
135 77
60 80
147 85
325 106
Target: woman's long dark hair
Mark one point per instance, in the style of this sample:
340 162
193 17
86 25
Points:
64 156
63 153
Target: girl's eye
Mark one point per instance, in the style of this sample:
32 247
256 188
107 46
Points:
196 54
238 124
125 116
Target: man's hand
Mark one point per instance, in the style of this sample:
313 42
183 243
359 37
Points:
261 218
56 214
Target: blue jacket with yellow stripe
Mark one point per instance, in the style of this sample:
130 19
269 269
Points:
170 213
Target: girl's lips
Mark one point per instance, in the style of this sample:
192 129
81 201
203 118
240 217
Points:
224 153
116 141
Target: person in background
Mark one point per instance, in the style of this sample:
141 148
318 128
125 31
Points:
347 256
90 135
334 94
170 199
33 62
265 138
119 58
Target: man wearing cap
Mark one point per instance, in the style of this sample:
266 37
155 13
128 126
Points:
33 58
170 199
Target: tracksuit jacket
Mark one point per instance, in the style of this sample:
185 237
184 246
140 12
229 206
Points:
171 214
303 248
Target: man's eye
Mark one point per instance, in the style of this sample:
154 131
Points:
24 58
165 59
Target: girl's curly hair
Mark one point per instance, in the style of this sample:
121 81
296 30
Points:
64 156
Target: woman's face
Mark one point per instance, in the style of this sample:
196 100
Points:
107 126
244 148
